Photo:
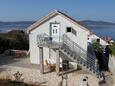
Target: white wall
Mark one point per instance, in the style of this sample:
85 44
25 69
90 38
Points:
112 66
80 39
34 50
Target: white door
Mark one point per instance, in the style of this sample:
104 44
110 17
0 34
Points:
55 31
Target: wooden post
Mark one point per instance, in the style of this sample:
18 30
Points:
57 61
41 60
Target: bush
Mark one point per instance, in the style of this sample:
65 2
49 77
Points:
98 47
113 48
15 40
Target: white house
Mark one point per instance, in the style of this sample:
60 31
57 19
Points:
93 38
55 24
57 37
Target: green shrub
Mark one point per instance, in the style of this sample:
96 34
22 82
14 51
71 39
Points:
98 47
16 40
113 48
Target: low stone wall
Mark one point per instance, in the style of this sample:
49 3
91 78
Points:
16 53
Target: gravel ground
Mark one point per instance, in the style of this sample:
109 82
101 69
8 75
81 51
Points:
49 79
31 73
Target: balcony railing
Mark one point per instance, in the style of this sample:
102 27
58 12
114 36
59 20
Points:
44 40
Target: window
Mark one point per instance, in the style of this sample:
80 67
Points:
53 31
70 29
73 31
56 30
55 26
98 40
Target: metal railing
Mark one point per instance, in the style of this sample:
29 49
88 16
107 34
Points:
44 40
81 55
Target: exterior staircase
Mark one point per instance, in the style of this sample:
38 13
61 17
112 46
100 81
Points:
76 54
73 52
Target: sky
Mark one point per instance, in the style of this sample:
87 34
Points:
32 10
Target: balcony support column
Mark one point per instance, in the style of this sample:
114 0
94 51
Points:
41 59
57 61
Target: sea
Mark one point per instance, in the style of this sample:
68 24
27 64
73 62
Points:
101 31
104 31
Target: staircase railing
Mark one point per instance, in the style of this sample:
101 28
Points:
74 46
81 55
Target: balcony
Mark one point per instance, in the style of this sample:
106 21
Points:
43 40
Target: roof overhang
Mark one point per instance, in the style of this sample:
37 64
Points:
53 14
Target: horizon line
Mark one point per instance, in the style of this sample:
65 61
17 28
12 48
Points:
38 19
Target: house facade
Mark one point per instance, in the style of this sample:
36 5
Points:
57 38
55 25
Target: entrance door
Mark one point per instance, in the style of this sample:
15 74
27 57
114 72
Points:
55 31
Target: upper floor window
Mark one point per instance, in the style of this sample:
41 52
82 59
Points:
70 29
74 32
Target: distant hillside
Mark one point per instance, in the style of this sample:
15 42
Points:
98 23
22 25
